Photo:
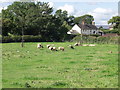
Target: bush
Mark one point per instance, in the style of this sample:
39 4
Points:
27 38
111 31
94 39
7 39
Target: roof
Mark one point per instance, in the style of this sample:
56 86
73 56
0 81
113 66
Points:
87 26
72 32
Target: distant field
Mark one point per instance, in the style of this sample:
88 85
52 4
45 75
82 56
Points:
83 67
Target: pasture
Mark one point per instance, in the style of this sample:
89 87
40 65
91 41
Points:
82 67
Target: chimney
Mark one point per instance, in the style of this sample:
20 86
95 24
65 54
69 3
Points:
93 23
83 22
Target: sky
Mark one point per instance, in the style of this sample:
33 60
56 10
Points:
101 10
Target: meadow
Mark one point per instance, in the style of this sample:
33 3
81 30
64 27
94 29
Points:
82 67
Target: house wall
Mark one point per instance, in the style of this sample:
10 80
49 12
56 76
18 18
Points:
76 27
77 30
87 32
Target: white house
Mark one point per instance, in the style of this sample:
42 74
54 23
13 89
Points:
85 29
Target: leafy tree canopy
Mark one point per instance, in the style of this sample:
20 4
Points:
27 15
86 18
115 21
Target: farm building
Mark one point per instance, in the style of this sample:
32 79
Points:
85 29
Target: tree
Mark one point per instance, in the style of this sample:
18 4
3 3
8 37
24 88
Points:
62 15
27 16
0 24
65 23
7 25
114 21
101 27
119 29
30 14
88 19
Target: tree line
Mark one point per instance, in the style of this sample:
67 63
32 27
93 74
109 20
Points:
30 18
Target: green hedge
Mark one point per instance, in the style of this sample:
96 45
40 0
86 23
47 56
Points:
27 38
85 39
93 39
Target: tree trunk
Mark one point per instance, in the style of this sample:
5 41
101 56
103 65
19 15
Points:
22 42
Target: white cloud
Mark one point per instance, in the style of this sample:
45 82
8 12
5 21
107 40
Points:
2 8
78 13
69 8
8 0
102 15
80 0
51 4
102 11
92 3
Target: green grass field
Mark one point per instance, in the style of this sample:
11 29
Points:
83 67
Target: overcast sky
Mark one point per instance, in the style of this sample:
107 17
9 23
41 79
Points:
102 11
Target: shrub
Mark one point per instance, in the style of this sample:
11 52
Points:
94 39
7 39
27 38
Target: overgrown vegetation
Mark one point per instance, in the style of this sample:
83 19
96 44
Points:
30 38
98 39
110 31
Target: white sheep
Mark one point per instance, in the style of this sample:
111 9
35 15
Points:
71 46
54 49
39 46
92 45
61 48
77 44
48 46
85 45
110 52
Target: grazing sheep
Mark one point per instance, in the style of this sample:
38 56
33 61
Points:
54 49
48 46
71 46
85 45
39 46
92 45
61 48
77 44
110 52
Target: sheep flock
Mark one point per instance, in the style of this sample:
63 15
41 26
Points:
61 48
